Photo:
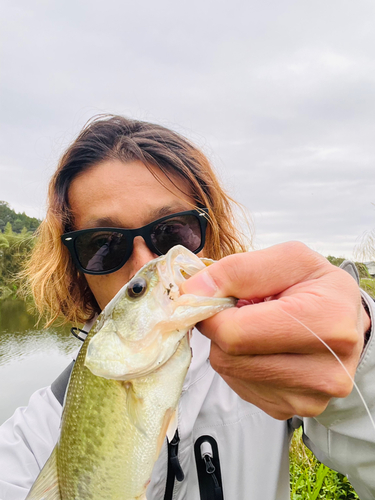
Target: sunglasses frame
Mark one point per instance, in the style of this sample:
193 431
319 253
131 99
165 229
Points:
68 239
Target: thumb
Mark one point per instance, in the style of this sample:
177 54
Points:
202 284
260 273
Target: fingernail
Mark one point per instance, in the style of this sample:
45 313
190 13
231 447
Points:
201 284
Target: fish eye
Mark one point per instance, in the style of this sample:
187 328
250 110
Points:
137 288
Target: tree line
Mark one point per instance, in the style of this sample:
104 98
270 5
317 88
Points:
17 222
14 250
16 242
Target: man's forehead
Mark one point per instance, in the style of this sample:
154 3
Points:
115 194
153 213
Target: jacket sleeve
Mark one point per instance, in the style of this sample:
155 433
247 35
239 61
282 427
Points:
343 436
26 441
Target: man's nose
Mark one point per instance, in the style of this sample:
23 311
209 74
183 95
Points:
140 256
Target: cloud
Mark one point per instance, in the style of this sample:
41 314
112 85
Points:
279 94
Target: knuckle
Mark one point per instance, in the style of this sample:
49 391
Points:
349 340
296 247
280 415
344 276
344 390
346 342
342 387
312 410
300 251
337 384
310 407
306 258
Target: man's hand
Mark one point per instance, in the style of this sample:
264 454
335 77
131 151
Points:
267 357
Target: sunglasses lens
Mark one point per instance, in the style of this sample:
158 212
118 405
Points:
100 250
182 230
103 251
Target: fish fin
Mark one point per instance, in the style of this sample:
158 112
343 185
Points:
172 427
168 428
142 497
134 407
46 486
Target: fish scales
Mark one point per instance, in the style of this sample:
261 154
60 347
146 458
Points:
118 457
125 386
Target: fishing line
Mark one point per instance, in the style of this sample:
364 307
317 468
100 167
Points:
341 363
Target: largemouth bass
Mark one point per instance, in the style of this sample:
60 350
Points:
125 386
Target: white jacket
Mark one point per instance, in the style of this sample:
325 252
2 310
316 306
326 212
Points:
253 447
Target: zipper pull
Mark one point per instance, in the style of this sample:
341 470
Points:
210 468
207 455
173 458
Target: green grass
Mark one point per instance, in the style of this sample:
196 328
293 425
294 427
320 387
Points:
368 285
311 480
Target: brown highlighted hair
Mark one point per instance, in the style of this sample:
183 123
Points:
59 289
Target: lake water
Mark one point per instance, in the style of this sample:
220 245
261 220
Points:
30 357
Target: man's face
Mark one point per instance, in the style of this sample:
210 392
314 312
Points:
126 195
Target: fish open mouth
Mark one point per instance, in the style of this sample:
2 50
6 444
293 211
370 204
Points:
137 334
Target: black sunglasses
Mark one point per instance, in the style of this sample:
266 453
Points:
104 250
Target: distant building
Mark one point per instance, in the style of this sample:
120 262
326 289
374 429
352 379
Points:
371 268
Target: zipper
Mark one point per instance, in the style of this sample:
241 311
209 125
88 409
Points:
174 468
208 468
207 455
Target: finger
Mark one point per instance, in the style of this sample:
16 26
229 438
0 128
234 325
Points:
282 326
304 375
279 404
258 274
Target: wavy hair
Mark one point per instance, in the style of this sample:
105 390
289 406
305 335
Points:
59 289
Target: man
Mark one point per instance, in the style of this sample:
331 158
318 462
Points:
266 361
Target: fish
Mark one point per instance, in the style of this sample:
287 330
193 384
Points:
124 389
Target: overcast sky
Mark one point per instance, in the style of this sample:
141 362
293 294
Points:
279 93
